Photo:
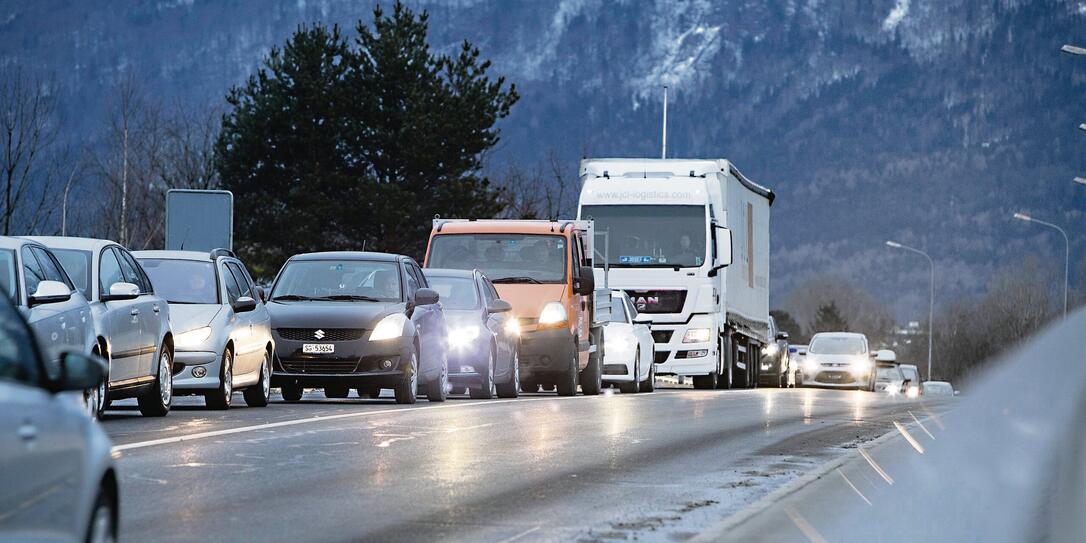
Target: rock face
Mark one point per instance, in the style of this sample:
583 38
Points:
927 121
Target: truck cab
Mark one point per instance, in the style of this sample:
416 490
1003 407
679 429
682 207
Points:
544 270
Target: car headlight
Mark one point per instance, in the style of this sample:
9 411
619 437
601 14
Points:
697 335
861 365
512 327
553 313
462 337
192 338
810 365
771 349
390 327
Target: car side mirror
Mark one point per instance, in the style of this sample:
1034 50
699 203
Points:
586 285
79 371
50 292
260 294
498 306
244 304
426 296
122 291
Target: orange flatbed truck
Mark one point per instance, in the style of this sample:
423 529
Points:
544 270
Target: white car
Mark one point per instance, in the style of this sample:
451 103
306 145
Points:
913 386
628 348
839 360
888 375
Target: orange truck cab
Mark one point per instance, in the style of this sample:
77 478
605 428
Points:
544 270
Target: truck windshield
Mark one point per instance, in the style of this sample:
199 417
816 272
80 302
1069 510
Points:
661 236
504 258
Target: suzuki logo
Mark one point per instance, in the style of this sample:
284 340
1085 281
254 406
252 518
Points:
319 334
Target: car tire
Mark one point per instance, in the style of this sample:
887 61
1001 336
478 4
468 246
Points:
369 392
156 401
407 391
566 385
488 389
336 392
633 387
438 389
221 397
649 385
292 392
258 394
101 527
95 400
592 376
511 388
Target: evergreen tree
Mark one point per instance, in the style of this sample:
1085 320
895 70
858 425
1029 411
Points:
828 319
786 323
336 141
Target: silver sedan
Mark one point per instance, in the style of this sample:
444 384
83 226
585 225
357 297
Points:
223 338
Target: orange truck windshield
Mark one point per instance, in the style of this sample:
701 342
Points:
504 258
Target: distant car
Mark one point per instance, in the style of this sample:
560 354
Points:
913 388
222 338
888 375
795 361
35 281
938 388
775 358
60 483
839 360
483 334
361 320
131 322
628 348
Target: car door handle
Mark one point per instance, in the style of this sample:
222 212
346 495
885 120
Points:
28 432
134 312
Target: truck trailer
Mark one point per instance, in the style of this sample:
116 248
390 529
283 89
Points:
688 240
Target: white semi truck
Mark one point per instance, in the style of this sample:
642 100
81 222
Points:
688 240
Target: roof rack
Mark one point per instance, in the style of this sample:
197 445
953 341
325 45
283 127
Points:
216 253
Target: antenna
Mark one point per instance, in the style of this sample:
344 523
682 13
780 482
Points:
663 153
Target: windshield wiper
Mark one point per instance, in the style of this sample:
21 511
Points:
348 298
291 298
518 279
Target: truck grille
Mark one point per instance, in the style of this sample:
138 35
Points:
319 366
662 336
328 335
660 357
658 301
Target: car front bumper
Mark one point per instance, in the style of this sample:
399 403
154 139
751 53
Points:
209 362
837 377
469 363
353 363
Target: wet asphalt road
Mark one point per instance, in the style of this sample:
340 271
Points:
655 467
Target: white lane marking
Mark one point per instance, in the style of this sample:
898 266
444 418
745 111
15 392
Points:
864 498
909 437
874 465
812 535
323 418
518 536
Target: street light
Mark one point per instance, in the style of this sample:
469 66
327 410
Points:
1073 50
931 297
1066 252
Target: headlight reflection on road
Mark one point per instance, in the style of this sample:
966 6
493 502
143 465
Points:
808 405
859 399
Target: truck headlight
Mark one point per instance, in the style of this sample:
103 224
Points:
192 338
462 337
553 313
697 335
390 327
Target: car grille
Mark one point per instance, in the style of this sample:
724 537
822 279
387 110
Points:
658 301
662 336
319 366
330 335
834 377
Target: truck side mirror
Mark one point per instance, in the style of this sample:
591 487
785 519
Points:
723 247
586 285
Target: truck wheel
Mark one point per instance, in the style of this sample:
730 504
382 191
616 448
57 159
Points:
592 377
726 380
291 392
567 381
706 382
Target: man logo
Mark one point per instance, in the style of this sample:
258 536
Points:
643 302
319 334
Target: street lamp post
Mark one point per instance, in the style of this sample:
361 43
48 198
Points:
931 296
1066 253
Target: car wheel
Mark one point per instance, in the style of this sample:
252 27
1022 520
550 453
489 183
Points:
649 385
408 389
101 528
221 397
438 389
291 392
567 382
511 388
487 389
258 394
336 391
369 392
156 401
633 387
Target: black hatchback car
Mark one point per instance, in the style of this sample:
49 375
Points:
368 321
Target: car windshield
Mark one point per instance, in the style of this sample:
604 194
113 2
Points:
338 280
183 281
455 292
7 273
910 373
650 235
78 265
504 258
888 373
837 345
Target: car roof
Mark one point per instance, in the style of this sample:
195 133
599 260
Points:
839 334
174 255
910 366
348 255
448 272
61 242
12 242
